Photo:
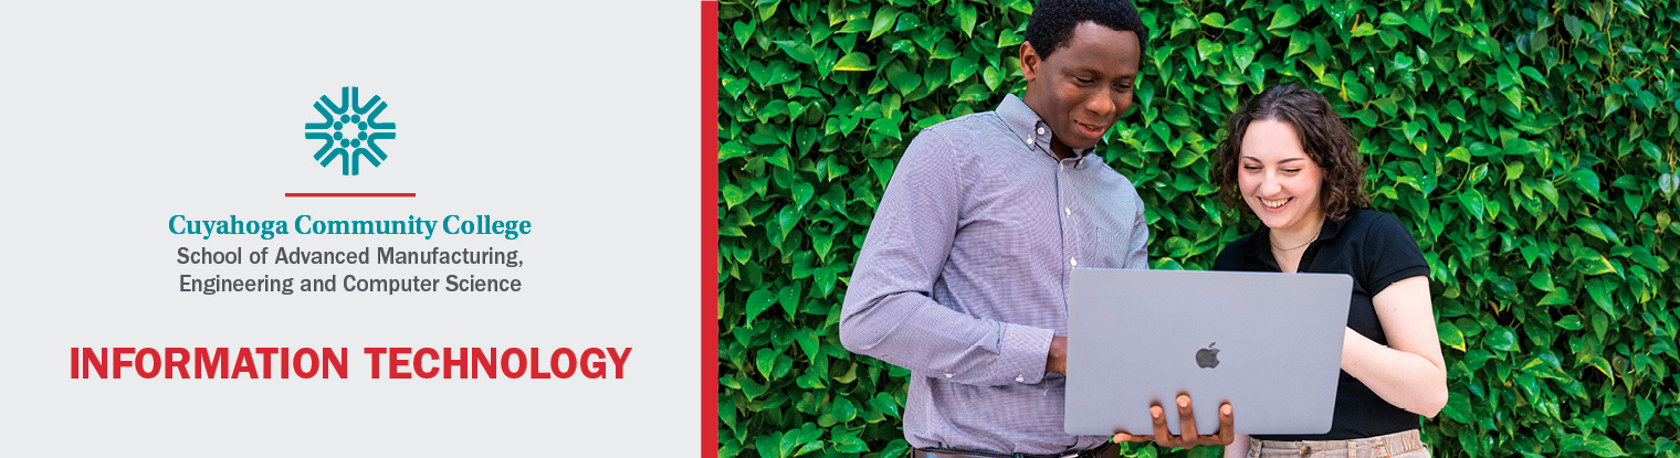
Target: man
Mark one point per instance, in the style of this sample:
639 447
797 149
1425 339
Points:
963 277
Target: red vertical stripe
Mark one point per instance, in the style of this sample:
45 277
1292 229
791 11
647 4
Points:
708 228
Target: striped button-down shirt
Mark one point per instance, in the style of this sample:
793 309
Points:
963 278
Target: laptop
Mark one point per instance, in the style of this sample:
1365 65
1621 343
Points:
1270 344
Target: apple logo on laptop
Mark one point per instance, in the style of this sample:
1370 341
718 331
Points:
1208 358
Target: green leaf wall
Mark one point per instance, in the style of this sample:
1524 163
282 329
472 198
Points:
1529 145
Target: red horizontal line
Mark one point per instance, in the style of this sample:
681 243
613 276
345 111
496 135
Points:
349 194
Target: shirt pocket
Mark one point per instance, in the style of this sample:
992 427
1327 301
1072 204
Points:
1105 232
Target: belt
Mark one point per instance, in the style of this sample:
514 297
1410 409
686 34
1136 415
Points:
1377 446
1106 450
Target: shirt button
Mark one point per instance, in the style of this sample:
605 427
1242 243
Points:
949 375
1029 142
1021 378
1069 211
1074 262
1041 131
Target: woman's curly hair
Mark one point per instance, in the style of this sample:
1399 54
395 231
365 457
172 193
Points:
1323 135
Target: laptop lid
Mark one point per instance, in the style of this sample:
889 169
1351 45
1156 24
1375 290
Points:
1268 343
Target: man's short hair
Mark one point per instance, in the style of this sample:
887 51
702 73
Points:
1052 22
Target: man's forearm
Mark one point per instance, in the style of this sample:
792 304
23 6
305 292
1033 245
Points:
1056 361
912 331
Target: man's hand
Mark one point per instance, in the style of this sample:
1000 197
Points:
1186 427
1057 361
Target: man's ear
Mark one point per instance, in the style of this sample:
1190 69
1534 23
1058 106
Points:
1029 62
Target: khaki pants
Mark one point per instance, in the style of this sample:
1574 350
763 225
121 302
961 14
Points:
1404 444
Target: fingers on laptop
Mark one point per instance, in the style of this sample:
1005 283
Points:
1227 432
1186 420
1188 436
1162 437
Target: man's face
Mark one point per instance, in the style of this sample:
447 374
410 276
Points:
1083 87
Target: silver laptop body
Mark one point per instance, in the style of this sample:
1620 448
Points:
1268 343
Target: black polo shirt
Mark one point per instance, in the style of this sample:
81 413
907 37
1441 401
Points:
1376 250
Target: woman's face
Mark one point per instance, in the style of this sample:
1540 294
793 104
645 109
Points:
1277 179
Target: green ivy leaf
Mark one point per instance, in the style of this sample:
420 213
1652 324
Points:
1244 56
963 67
1474 203
908 22
1573 25
1460 153
1420 24
1500 338
1597 362
1285 16
1177 116
789 298
966 15
884 19
810 381
1458 407
1182 24
902 80
1598 230
1570 322
992 77
1596 265
895 449
769 445
743 31
1592 443
1214 19
1009 39
1205 48
823 244
1599 291
731 150
799 51
846 442
733 195
885 404
781 72
765 361
757 303
844 409
1450 335
1241 25
854 62
1299 42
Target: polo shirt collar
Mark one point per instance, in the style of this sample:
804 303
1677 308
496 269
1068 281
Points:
1031 129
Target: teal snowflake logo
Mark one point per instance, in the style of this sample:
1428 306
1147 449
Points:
349 131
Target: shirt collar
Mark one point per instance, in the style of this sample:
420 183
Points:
1031 129
1260 243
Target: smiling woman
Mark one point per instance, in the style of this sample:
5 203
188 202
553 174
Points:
1290 161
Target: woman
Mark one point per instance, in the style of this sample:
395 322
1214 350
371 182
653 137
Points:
1290 159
